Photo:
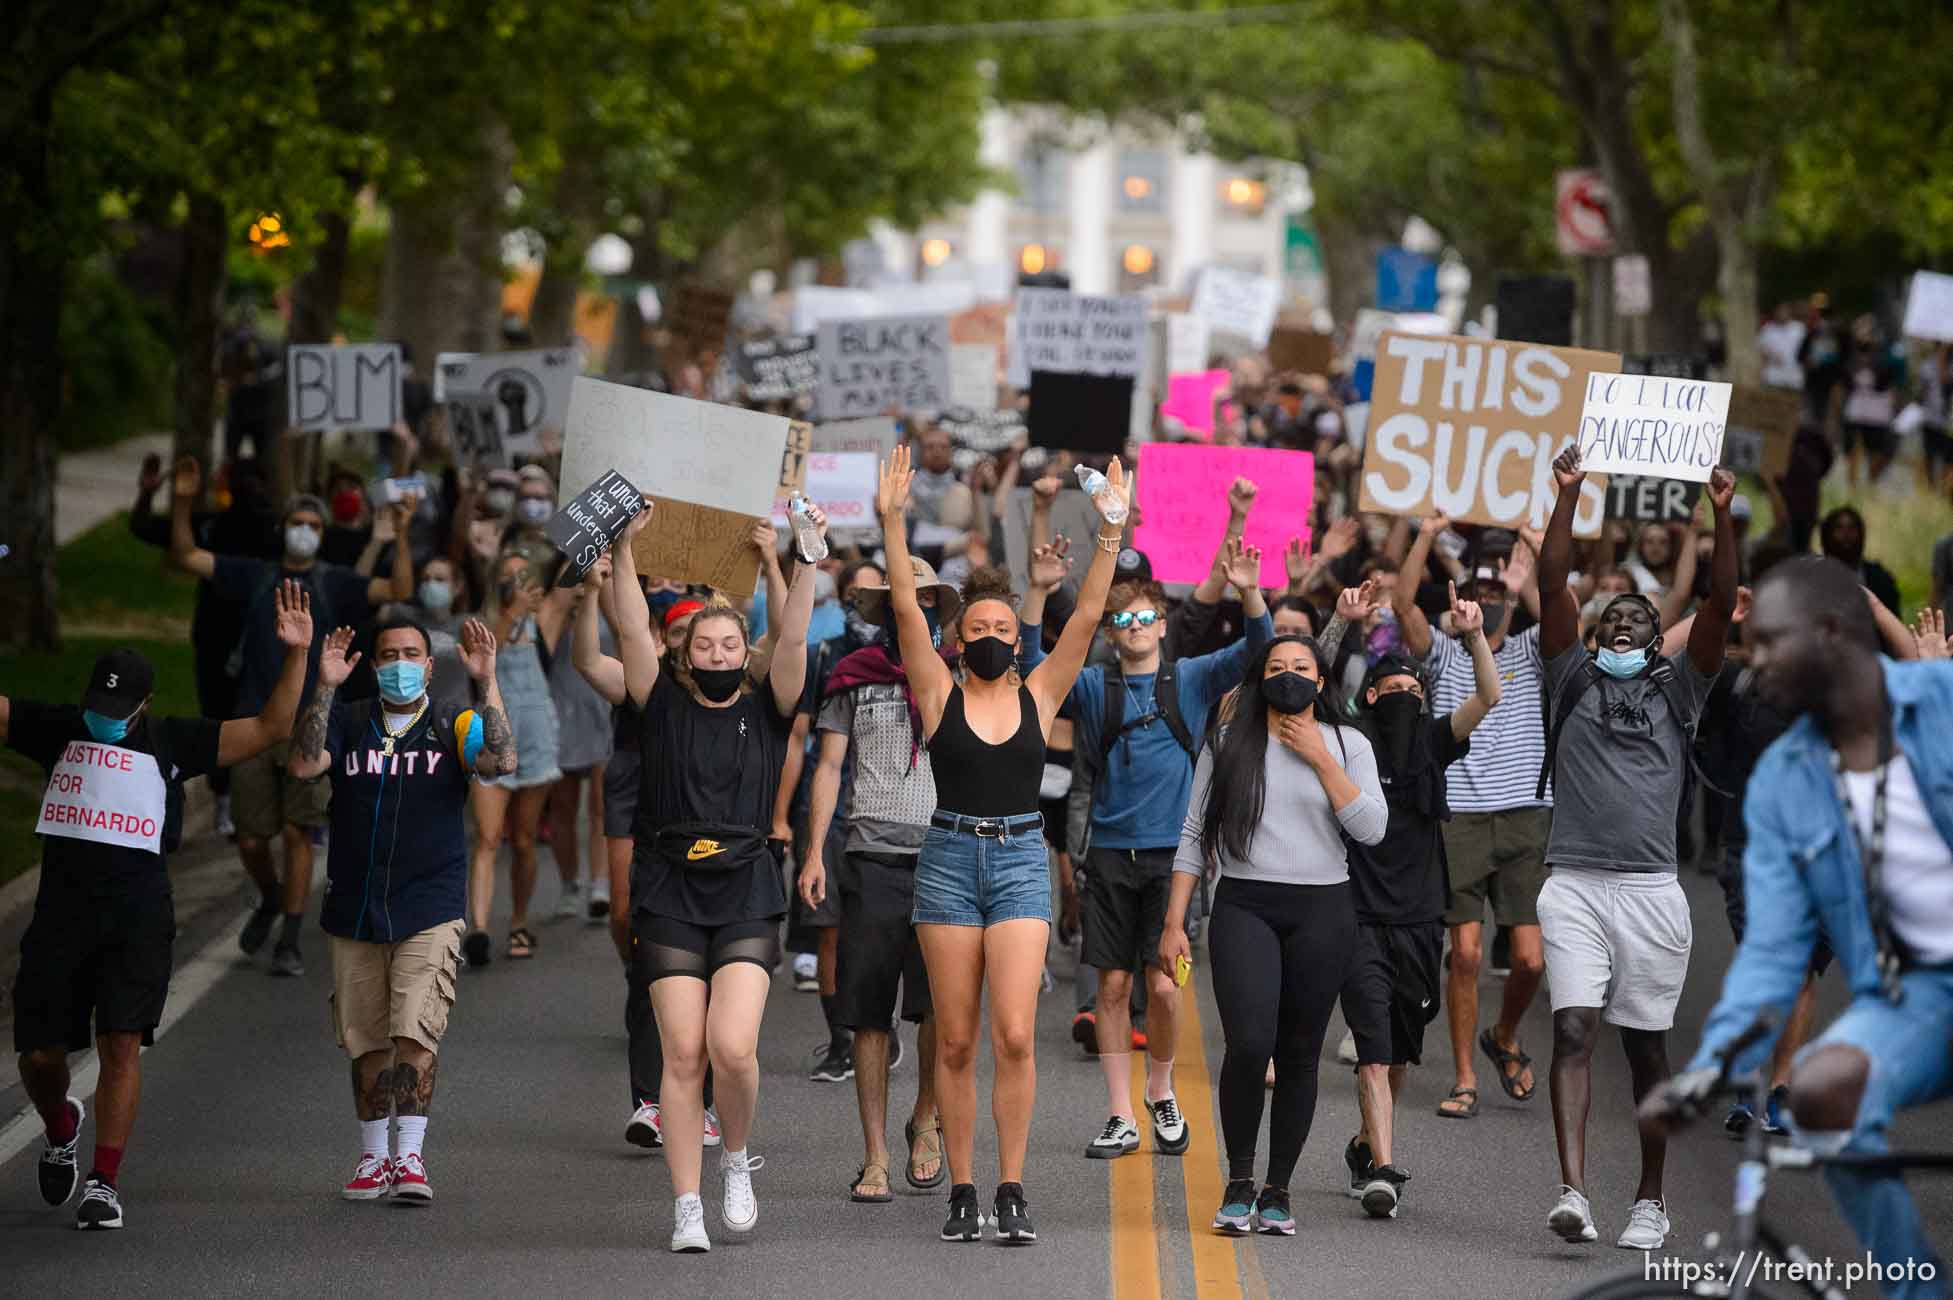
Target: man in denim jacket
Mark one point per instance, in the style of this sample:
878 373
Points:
1889 725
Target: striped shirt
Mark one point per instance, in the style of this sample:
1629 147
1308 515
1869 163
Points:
1501 770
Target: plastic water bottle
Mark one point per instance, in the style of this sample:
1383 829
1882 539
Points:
1095 485
807 537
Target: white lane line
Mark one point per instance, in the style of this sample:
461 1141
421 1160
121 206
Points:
188 987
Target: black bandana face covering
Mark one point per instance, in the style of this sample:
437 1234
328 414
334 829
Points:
1289 692
989 657
718 684
1397 716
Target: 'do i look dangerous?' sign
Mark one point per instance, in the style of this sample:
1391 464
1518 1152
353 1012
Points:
1653 426
105 794
1469 428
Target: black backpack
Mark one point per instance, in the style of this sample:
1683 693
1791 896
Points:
1166 707
1663 676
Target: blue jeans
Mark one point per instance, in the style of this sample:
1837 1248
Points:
966 878
1907 1046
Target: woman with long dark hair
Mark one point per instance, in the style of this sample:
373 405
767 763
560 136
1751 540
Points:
983 881
1273 797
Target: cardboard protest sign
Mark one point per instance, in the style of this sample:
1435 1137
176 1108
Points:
594 518
1082 334
1929 307
1762 426
474 425
1470 427
843 485
1651 500
526 393
355 387
876 434
688 542
1190 400
983 432
868 366
1306 351
1653 426
793 464
699 317
1183 506
1238 302
1072 515
1090 413
973 376
777 369
105 794
1186 344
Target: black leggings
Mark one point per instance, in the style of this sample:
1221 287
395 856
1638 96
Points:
1280 954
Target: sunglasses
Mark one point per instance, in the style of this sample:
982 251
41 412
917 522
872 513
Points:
1125 618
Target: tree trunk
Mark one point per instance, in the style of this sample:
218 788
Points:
552 313
200 280
442 286
1348 259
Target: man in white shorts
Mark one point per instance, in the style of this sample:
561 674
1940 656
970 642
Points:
1612 914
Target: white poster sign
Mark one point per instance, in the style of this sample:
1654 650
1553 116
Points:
1653 426
1929 307
528 391
702 452
973 376
354 387
1238 302
1634 293
107 795
869 366
842 484
1186 344
1016 373
876 434
814 305
1082 334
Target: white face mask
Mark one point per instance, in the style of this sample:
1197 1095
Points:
533 510
301 541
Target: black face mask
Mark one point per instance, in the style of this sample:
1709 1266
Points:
718 684
861 630
1397 716
1289 692
1494 618
989 657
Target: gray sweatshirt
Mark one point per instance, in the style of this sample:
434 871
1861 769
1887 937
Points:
1300 839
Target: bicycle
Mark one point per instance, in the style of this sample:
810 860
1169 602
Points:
1731 1271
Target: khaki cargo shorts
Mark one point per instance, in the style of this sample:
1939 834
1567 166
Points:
384 991
1499 856
266 797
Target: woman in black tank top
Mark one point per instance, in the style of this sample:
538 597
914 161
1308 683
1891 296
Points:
983 879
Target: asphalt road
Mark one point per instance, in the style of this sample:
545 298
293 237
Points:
247 1131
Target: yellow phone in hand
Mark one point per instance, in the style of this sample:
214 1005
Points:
1182 971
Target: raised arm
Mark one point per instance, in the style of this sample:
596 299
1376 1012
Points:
1240 566
1898 639
309 757
1559 616
399 585
636 644
1711 631
1519 571
788 673
1468 622
241 738
184 551
1675 601
766 540
1240 500
144 526
605 675
1051 680
496 756
1411 622
1049 565
928 675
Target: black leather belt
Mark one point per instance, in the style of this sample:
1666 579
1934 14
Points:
987 827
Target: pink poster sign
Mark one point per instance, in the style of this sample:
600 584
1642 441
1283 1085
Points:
1190 400
1184 509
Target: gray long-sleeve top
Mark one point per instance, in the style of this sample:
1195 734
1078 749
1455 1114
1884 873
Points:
1299 840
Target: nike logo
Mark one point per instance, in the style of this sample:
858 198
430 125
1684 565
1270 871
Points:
702 849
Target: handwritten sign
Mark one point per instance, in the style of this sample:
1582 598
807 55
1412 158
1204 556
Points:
594 518
1304 351
688 542
793 463
1651 500
525 393
699 316
1186 344
1237 302
876 434
1082 334
1190 400
843 485
1072 515
1469 428
982 432
973 376
868 366
1929 307
1184 510
107 795
354 387
1653 426
777 369
1762 426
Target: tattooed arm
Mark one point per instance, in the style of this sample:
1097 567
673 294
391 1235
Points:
497 754
309 757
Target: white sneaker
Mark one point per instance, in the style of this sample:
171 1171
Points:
741 1212
1169 1126
225 826
1648 1227
712 1136
806 973
571 903
1346 1050
1119 1137
597 902
688 1234
1572 1219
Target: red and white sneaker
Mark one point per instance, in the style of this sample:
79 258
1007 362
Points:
371 1180
410 1180
645 1129
712 1135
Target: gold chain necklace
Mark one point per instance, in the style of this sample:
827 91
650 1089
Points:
392 733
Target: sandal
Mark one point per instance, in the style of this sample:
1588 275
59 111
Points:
1501 1059
871 1174
1468 1111
522 944
931 1128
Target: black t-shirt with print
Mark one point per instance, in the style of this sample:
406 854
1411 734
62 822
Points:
1402 879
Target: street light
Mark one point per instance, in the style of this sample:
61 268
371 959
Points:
935 252
1032 259
1138 259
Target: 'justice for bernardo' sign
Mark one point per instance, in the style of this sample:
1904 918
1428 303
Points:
106 794
1653 426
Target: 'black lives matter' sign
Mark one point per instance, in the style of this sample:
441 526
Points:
594 518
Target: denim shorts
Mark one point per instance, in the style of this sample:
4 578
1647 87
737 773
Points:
967 877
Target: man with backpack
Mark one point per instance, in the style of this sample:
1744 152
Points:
1139 727
1612 914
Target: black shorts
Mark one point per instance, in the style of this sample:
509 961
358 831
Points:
1391 991
879 950
664 946
93 962
1877 439
1126 892
620 794
1730 876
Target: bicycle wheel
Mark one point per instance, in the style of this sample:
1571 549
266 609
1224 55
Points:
1635 1284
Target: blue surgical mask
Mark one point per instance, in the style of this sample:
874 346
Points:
106 730
402 682
436 596
1622 663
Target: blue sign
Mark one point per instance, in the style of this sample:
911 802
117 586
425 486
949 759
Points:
1406 281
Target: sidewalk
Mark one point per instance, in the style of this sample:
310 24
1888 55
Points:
91 486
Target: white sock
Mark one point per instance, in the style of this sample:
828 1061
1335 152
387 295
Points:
413 1132
1159 1079
373 1137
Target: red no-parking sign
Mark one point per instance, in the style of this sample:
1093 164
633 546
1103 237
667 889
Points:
1581 214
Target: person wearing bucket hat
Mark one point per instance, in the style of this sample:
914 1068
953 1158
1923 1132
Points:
95 961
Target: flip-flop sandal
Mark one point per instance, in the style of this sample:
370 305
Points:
1463 1112
861 1179
522 945
1501 1059
931 1126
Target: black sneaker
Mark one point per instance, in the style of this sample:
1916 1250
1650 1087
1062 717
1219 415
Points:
1013 1218
836 1065
286 961
100 1207
1385 1192
59 1174
1085 1032
1236 1217
476 948
257 929
1272 1216
965 1222
1362 1167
